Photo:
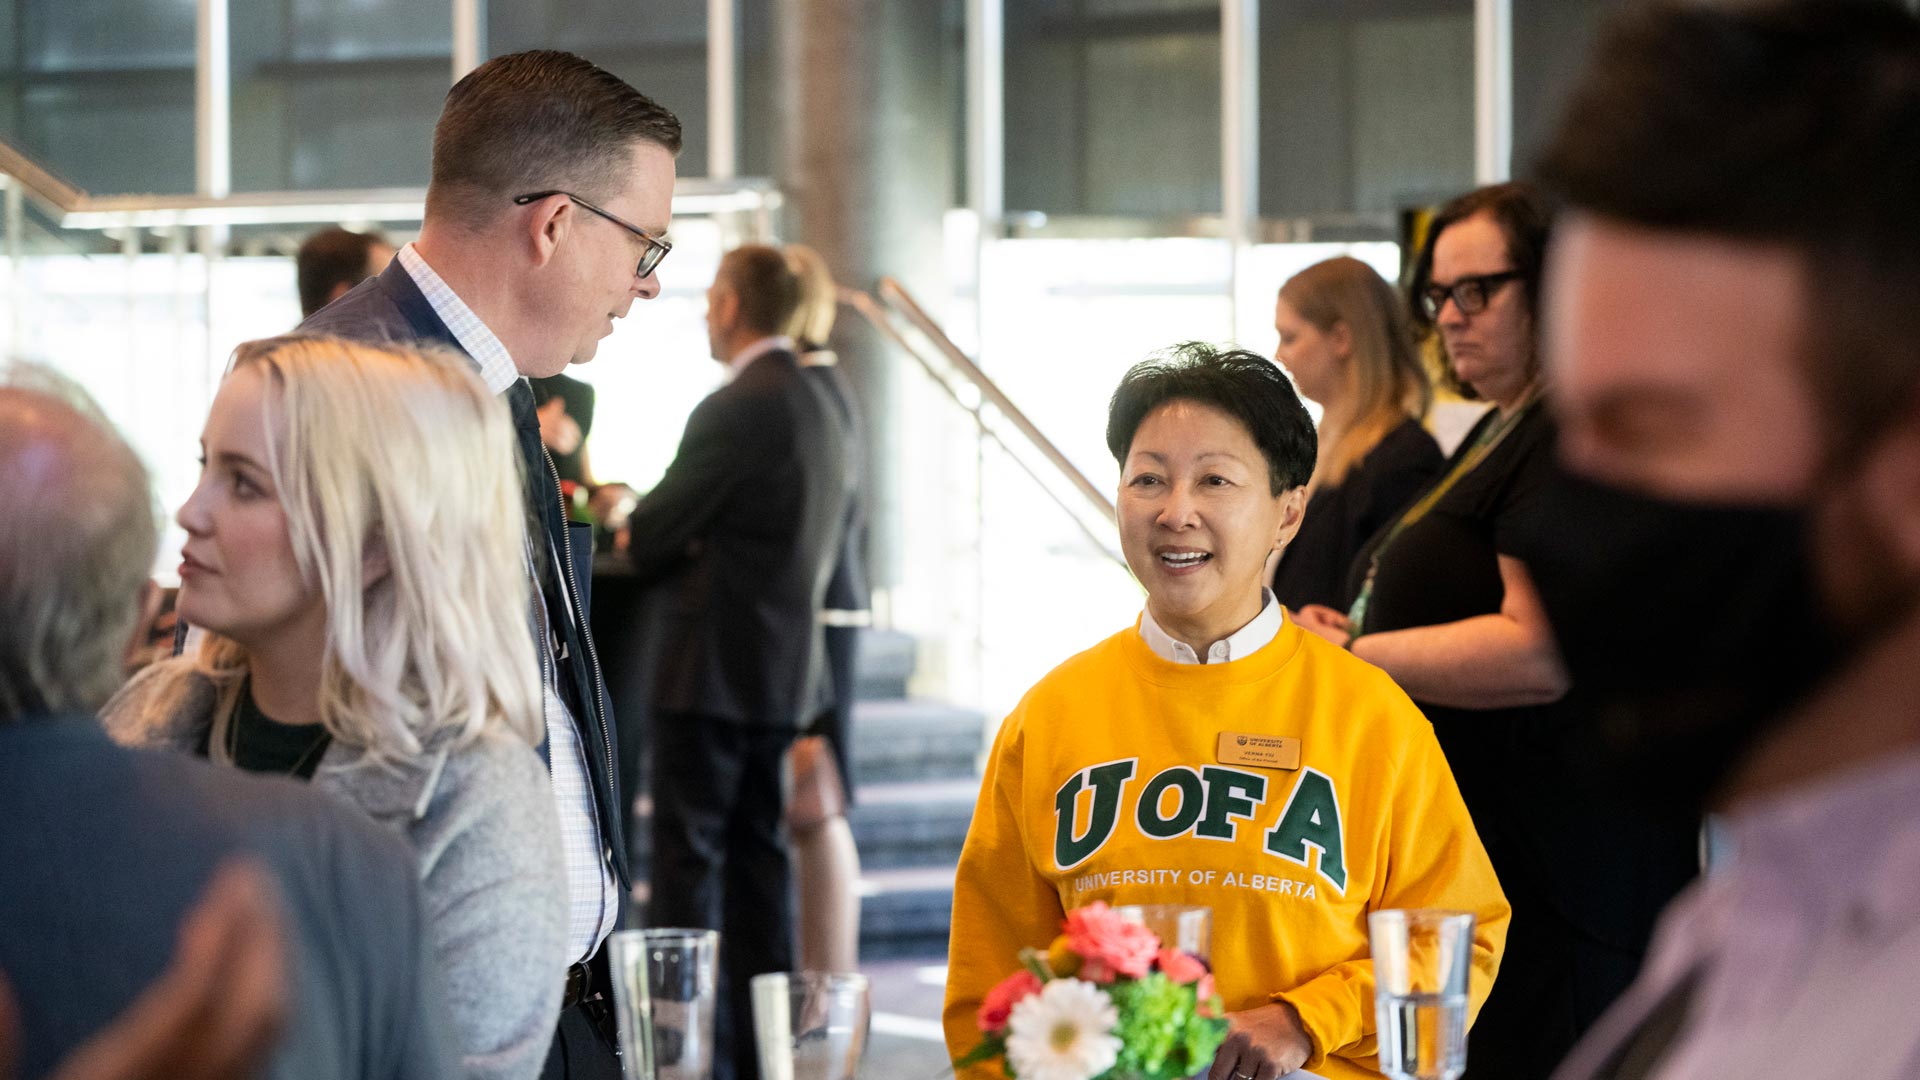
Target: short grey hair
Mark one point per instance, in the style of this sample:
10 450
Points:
77 543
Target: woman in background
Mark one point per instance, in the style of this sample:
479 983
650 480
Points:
1344 339
826 863
356 552
1445 603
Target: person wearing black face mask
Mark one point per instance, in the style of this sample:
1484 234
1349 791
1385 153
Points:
1723 633
1735 337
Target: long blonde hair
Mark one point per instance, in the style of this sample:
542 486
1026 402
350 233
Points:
812 321
400 453
1384 381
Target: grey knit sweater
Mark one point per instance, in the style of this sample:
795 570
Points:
481 818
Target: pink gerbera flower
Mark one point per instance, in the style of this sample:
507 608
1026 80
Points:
1110 945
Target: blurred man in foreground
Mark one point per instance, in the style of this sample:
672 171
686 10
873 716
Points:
1734 329
109 853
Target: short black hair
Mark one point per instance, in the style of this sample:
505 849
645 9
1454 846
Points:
533 121
330 257
1793 124
766 284
1244 385
1525 222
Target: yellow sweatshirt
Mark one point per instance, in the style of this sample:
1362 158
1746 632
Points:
1123 777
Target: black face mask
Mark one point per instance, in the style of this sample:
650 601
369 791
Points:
1687 631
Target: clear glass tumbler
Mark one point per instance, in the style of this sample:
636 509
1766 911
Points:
1186 927
811 1025
665 985
1421 961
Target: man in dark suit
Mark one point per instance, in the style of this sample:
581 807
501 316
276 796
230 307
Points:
747 521
106 853
551 189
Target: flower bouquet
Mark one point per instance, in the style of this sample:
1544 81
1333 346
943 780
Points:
1105 1001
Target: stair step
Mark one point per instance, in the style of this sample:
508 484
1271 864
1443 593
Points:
885 664
905 912
903 739
912 824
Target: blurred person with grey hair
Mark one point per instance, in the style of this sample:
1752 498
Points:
109 852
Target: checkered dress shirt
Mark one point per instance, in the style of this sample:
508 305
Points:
594 899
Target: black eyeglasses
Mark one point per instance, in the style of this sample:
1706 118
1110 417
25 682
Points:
1469 294
656 247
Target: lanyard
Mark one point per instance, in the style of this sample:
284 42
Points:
1494 434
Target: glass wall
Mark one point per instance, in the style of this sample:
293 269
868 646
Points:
1365 107
336 93
1550 41
659 46
1112 107
102 92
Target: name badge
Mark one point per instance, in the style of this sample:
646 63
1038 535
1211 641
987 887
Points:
1259 751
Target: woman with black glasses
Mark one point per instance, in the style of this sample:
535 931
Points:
1445 605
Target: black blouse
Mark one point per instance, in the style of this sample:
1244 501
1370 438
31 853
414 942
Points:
1445 567
264 745
1342 517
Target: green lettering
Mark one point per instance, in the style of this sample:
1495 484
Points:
1312 820
1230 794
1192 801
1107 781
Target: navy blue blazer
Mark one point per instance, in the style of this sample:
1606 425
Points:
389 307
104 850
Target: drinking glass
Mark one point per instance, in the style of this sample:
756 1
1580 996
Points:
811 1025
664 990
1421 960
1186 927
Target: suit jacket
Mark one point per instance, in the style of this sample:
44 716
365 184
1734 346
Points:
105 850
389 307
848 588
748 521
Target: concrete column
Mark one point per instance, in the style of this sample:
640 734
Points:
866 151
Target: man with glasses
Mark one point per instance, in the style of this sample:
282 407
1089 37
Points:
546 218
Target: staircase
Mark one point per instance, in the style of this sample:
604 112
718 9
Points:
915 785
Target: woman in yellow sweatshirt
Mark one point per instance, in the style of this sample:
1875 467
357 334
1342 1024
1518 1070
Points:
1216 754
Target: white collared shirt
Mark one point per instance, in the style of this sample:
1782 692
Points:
1241 644
593 898
775 343
497 369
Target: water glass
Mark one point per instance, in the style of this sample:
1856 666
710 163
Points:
1185 927
665 985
1421 961
811 1025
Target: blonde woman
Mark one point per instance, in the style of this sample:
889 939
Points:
1344 338
356 554
826 863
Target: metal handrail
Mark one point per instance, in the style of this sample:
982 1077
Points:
72 207
881 318
897 295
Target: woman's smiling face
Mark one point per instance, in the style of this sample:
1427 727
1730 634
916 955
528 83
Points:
1198 518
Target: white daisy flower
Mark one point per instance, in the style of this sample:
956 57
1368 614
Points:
1064 1032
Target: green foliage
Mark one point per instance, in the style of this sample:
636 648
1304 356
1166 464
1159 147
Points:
1162 1036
